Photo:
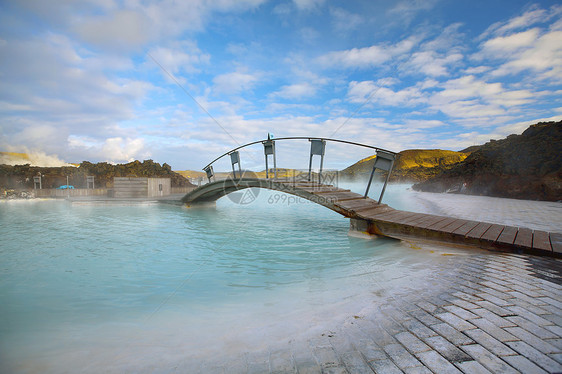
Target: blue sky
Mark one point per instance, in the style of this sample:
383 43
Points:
106 80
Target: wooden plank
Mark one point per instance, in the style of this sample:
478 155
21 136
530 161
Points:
437 226
454 225
479 230
421 218
541 240
339 196
373 212
431 221
319 189
464 229
508 235
524 238
398 218
358 203
492 233
418 217
556 242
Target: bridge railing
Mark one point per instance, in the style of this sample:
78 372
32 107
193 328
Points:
384 158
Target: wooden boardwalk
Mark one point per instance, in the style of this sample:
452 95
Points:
383 220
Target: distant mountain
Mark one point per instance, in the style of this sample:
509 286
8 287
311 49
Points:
526 166
412 165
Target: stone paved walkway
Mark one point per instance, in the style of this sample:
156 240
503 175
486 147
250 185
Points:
483 313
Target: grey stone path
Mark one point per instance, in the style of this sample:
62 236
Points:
484 313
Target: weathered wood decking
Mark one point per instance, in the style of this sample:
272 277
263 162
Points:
383 220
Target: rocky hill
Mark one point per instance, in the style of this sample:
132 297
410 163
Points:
412 165
526 166
20 177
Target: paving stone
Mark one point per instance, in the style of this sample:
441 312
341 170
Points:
455 321
460 312
419 329
472 367
555 319
529 315
412 343
401 357
464 304
493 317
436 363
467 296
384 366
557 330
451 334
502 312
327 359
355 363
532 328
495 286
489 342
555 342
427 306
446 349
523 289
418 370
486 358
524 365
498 333
531 339
557 357
551 301
531 300
538 310
371 351
537 357
495 300
424 317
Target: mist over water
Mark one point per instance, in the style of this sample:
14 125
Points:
117 288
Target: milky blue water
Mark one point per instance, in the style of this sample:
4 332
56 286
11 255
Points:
88 288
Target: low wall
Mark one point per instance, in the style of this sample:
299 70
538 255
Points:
56 193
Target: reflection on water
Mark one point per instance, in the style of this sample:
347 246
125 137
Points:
110 287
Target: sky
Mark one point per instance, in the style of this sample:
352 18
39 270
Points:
182 82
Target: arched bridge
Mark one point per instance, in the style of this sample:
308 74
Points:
370 216
337 199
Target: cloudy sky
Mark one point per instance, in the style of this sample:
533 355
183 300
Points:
184 81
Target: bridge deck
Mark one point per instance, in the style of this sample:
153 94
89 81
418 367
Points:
386 221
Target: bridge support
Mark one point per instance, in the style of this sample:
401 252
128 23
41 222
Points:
362 228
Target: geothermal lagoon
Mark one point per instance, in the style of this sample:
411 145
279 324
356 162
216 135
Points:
158 287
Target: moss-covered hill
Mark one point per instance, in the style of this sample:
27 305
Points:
526 166
21 176
412 165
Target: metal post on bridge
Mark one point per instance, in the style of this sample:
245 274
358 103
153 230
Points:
235 159
317 147
383 161
210 172
269 149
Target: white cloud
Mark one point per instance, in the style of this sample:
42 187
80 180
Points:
368 91
296 91
180 57
367 57
235 82
406 10
430 64
529 18
308 4
345 21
